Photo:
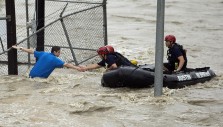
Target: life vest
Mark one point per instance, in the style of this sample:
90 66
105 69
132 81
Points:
121 60
173 60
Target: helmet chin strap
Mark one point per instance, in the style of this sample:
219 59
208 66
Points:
103 56
171 44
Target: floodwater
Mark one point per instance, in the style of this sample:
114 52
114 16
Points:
70 98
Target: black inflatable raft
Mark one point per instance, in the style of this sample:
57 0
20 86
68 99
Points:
143 76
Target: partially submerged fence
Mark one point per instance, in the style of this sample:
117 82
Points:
79 27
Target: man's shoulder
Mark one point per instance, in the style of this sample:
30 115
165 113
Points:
42 52
176 47
116 54
111 54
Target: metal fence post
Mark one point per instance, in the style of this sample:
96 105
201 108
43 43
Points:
159 48
40 17
11 37
105 21
27 30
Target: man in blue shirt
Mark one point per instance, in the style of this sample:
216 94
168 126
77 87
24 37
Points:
110 58
46 62
176 55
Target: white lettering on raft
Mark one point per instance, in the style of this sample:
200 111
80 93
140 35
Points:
203 74
184 77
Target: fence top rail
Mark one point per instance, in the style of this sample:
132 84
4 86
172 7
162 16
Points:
74 1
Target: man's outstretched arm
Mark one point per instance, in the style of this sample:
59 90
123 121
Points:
69 65
31 51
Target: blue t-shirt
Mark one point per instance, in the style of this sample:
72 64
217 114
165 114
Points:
45 64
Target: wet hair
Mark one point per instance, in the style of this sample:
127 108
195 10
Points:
55 48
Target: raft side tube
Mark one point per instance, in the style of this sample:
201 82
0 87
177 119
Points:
112 79
143 76
194 76
136 77
126 76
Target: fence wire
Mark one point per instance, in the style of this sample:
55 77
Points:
77 26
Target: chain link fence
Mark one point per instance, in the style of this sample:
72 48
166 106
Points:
3 38
77 26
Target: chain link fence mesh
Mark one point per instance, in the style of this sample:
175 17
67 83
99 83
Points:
3 38
77 26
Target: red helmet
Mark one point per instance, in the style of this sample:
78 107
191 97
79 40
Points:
170 38
102 51
105 50
110 49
